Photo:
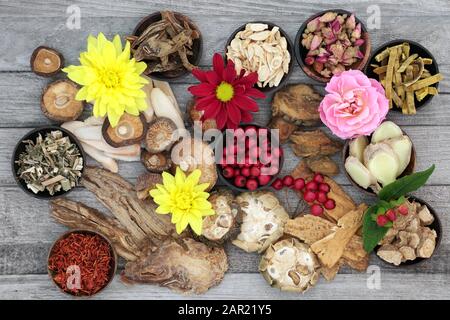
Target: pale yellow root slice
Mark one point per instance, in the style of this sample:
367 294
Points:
382 162
357 146
386 130
360 174
402 147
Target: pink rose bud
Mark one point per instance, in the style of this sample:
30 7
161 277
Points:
351 22
309 60
359 42
316 41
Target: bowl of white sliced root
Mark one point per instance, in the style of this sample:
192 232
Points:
378 160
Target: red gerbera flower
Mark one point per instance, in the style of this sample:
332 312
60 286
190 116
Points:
224 95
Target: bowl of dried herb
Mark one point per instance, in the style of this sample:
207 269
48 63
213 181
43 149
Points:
72 272
48 162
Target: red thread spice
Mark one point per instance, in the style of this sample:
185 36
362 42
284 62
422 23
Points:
85 260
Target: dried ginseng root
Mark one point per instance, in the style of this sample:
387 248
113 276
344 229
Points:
405 77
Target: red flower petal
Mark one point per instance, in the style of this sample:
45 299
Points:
245 103
234 114
246 116
202 89
231 124
212 110
218 64
203 102
213 78
229 73
248 80
199 74
239 90
221 118
254 93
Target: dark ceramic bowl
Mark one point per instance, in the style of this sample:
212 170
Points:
268 89
301 52
436 225
20 148
228 182
414 48
197 46
409 169
113 262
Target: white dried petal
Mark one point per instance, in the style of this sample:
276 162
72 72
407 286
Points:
276 62
260 36
256 27
263 73
235 44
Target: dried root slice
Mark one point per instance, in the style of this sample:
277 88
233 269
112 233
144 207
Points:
298 104
387 130
129 130
186 266
290 266
156 162
262 222
149 113
360 174
58 101
323 165
382 162
146 182
357 147
402 147
46 61
160 135
107 162
164 107
285 128
313 143
224 224
190 154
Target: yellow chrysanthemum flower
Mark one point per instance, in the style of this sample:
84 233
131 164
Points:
109 78
184 198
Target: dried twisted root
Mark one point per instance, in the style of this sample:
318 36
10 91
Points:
77 215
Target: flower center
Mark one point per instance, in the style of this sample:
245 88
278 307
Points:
224 92
184 201
110 78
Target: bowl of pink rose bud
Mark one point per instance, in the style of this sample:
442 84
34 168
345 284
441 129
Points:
250 157
314 190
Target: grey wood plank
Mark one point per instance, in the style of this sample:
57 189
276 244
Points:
52 31
20 96
27 231
117 8
250 286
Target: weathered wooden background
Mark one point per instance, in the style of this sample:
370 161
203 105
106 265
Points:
27 231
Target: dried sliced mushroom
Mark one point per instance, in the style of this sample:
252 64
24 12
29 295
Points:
263 220
290 265
224 224
58 101
46 61
130 130
160 135
156 162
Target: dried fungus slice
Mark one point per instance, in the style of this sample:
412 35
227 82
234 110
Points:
223 224
290 266
129 130
262 221
58 101
156 162
285 128
46 61
160 135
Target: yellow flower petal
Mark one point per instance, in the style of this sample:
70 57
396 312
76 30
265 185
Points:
180 226
194 177
196 225
162 210
117 44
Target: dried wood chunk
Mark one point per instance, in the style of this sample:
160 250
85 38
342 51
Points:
185 266
313 143
298 104
146 182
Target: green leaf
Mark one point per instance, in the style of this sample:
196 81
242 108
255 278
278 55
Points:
405 185
398 202
372 232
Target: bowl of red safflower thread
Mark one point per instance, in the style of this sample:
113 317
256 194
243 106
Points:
82 263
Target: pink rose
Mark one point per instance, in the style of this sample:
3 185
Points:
354 105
